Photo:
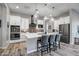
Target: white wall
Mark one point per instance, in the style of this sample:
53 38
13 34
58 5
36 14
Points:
1 24
4 13
73 26
24 23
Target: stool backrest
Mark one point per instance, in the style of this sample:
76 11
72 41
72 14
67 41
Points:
52 38
44 40
57 38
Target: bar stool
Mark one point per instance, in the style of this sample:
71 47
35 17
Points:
39 43
52 43
58 37
43 44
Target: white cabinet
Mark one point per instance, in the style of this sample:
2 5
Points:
40 21
24 23
40 25
24 26
15 20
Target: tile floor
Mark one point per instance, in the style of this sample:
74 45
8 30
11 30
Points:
18 49
66 50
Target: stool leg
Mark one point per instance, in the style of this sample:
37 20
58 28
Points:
50 49
41 53
47 49
37 46
59 45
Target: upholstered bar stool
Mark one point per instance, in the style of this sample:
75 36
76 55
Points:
43 44
58 37
52 42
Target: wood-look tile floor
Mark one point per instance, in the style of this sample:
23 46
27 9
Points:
66 50
18 49
14 49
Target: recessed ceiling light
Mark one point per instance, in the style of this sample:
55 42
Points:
17 7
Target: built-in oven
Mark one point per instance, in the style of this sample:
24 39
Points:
15 28
15 36
15 32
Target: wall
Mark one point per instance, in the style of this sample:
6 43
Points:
74 15
4 13
0 28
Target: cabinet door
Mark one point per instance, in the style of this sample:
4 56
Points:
24 23
18 20
40 21
15 20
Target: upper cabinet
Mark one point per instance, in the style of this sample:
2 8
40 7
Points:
24 23
15 20
40 22
40 25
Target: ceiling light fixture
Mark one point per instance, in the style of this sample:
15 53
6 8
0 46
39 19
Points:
52 19
17 7
37 11
45 4
36 15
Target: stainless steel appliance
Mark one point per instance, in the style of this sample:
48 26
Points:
15 32
64 29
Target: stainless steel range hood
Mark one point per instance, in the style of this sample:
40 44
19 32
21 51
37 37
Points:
32 24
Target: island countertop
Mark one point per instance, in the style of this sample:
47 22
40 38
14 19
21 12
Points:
35 35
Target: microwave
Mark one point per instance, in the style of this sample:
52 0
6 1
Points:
40 26
15 32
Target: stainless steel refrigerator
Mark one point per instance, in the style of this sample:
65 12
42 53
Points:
64 29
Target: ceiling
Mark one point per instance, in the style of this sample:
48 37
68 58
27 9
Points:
45 9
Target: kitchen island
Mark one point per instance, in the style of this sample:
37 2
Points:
32 41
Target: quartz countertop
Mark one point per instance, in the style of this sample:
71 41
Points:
35 35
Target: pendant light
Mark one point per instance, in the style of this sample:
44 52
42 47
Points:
36 15
51 17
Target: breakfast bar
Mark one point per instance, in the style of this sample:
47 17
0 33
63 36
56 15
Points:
32 41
